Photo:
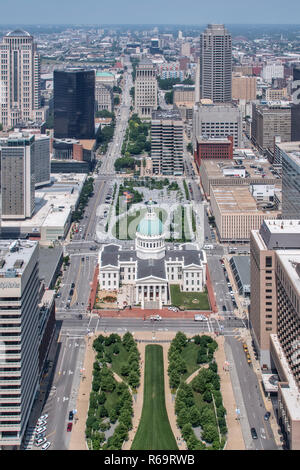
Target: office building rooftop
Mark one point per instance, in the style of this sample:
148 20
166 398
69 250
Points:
14 257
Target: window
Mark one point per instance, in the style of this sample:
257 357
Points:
268 261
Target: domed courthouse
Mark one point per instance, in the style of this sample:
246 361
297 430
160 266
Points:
151 268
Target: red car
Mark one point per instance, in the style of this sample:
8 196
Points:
69 427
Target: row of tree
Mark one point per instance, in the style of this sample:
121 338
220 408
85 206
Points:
207 412
86 193
102 414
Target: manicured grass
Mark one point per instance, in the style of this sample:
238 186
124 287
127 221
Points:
189 354
186 300
154 431
118 359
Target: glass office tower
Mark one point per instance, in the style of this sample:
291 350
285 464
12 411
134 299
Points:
74 104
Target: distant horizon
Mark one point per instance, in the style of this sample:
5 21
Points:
147 24
155 12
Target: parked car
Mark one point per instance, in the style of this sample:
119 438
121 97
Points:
40 429
254 433
69 427
40 442
46 445
267 416
43 417
41 423
71 415
224 308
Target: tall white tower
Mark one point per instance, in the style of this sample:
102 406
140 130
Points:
216 64
20 92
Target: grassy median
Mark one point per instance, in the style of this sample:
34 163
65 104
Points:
154 431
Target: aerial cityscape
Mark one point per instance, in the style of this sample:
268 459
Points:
149 229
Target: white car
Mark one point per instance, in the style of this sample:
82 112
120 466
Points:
40 429
41 423
43 417
46 445
40 442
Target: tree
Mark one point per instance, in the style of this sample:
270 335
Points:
125 369
174 379
194 416
133 379
210 433
183 417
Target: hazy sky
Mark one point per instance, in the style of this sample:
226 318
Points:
149 11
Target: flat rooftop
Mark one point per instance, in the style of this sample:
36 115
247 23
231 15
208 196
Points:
236 199
164 115
291 262
258 169
283 226
15 255
53 204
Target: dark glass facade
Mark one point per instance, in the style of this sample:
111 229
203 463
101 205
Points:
74 104
295 109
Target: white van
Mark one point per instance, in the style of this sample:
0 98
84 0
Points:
208 247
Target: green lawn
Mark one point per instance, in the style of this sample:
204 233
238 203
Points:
154 431
189 354
189 300
118 359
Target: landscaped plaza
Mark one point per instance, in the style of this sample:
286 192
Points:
141 396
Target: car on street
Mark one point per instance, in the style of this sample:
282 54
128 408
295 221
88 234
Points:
267 416
224 308
40 429
41 422
46 445
254 433
155 318
71 415
69 427
40 442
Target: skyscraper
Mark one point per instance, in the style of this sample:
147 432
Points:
291 184
74 104
17 177
19 326
215 64
20 92
274 316
167 142
145 89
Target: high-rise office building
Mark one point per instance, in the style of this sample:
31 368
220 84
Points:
269 120
41 153
290 160
217 121
19 334
20 92
145 89
74 104
17 177
167 142
243 87
215 64
275 315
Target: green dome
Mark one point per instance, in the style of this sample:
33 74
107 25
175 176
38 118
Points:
150 227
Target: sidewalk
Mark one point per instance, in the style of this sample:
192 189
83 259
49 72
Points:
235 439
77 441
